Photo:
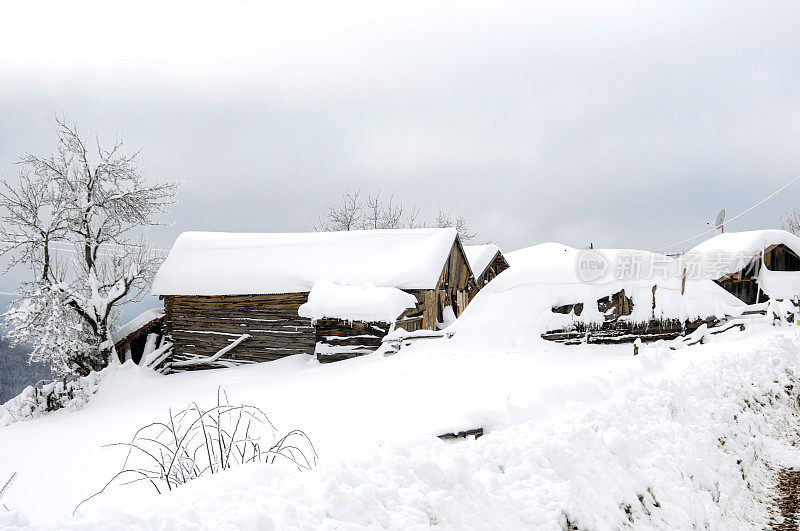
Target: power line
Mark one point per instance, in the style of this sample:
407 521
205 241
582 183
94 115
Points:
740 214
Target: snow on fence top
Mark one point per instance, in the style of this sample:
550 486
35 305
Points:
729 252
480 256
218 263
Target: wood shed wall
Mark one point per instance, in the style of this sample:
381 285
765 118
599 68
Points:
340 340
200 326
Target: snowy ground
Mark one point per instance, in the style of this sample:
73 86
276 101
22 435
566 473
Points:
583 435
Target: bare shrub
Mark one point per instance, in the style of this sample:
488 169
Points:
194 442
4 489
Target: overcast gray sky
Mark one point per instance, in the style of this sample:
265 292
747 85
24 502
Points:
625 124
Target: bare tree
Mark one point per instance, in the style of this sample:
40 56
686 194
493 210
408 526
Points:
344 216
445 220
376 213
90 204
382 215
791 222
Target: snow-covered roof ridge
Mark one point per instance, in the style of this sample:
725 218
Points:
480 256
219 263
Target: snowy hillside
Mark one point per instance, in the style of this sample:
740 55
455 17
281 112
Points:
587 435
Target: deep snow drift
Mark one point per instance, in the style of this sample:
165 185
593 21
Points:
583 434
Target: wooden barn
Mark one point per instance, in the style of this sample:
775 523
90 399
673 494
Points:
754 265
242 298
486 262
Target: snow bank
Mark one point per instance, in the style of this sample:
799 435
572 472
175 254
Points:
356 303
216 263
729 252
480 256
588 437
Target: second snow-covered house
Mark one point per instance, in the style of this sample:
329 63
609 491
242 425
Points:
232 298
486 262
753 265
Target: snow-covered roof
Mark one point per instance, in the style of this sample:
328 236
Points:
219 263
356 303
480 256
145 318
731 251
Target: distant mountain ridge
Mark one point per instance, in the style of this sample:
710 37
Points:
15 371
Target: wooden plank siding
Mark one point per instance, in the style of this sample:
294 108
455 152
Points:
200 326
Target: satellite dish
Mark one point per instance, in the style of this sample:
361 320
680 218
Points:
720 221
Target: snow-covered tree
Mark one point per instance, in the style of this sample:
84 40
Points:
91 204
41 317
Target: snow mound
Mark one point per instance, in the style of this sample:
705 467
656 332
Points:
518 303
217 263
356 303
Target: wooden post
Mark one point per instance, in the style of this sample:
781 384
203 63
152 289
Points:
683 282
429 312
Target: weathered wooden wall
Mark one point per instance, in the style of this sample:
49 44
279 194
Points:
781 258
201 326
455 288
